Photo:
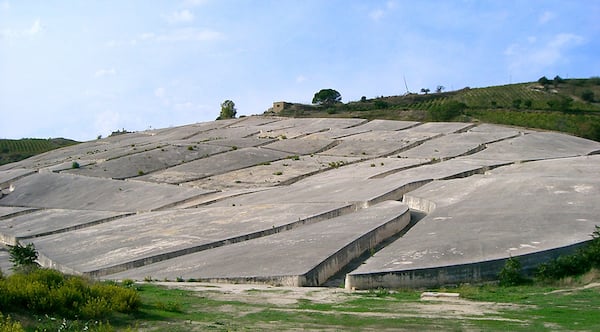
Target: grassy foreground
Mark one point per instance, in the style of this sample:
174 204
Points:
489 308
178 307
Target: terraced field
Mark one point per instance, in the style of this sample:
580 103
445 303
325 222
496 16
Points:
302 202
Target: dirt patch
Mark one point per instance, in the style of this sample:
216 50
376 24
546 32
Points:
261 294
283 297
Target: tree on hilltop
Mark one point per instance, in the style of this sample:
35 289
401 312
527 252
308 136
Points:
327 97
228 110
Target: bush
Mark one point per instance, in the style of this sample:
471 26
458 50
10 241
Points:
447 111
587 95
50 292
23 256
9 325
582 261
510 275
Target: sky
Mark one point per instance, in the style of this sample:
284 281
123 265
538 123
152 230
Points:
80 69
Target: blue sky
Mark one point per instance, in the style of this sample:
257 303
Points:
79 69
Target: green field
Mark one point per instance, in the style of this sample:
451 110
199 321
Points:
571 106
217 308
14 150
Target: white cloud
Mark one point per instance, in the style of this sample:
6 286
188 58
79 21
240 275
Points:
186 34
190 34
534 56
182 16
376 14
194 2
546 17
160 92
300 79
105 72
185 105
107 121
36 28
379 13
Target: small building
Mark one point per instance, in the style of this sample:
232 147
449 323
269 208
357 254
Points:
279 106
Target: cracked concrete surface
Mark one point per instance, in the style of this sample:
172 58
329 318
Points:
293 201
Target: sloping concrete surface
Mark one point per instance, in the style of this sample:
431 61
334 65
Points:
316 250
513 211
67 191
136 240
288 201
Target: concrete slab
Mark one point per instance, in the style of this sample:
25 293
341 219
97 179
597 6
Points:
5 264
238 143
12 211
441 127
138 164
531 211
296 128
7 176
50 221
317 250
537 146
66 191
483 196
302 146
155 236
281 172
378 184
216 164
378 144
454 145
373 125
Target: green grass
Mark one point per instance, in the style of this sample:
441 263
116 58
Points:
533 307
523 104
14 150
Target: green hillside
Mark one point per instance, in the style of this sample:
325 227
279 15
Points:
12 150
567 105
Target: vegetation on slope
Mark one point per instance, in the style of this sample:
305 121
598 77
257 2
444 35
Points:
567 105
12 150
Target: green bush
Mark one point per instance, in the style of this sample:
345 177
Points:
9 325
23 256
578 263
511 275
446 111
46 291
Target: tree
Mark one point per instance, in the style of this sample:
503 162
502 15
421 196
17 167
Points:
228 110
327 97
557 80
23 256
588 95
425 90
440 88
544 81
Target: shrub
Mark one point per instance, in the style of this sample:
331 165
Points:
23 256
46 291
575 264
587 95
447 111
75 165
9 325
510 275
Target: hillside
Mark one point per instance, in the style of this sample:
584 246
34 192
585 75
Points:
12 150
567 105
